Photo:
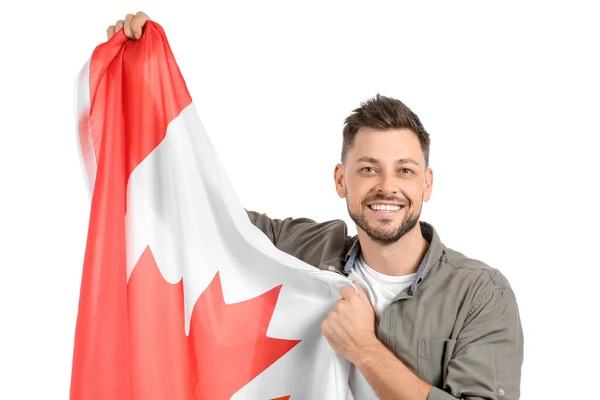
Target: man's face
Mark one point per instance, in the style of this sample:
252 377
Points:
385 182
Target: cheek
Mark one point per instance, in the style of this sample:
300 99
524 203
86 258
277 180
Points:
353 202
355 192
415 193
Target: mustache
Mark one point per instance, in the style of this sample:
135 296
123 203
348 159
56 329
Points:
381 197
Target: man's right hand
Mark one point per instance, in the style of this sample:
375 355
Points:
132 25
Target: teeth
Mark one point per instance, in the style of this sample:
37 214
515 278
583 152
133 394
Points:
378 207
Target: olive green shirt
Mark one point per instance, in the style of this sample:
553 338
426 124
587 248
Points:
457 326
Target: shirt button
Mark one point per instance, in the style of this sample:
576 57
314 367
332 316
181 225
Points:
501 391
331 268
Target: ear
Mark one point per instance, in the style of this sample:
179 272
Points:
428 184
338 176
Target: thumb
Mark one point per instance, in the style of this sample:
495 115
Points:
359 289
363 295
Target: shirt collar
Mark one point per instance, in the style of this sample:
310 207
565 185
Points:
433 255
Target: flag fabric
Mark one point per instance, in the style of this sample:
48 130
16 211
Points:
181 296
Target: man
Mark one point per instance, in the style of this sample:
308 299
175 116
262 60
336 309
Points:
425 322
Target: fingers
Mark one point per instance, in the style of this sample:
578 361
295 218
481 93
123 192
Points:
325 328
347 292
132 26
137 24
127 26
110 31
332 316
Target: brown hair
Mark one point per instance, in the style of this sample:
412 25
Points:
381 112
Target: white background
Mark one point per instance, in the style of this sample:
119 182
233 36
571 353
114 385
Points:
510 93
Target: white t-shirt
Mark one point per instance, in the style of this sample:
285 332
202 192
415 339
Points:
381 289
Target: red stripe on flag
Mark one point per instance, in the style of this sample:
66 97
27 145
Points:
136 90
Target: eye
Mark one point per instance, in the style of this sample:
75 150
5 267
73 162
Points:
407 171
367 169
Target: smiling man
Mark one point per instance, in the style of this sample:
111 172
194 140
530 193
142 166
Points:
425 322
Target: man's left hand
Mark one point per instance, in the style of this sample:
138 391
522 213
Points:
350 326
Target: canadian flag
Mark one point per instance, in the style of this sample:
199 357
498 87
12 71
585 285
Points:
181 296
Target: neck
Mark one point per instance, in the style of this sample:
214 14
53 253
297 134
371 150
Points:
400 258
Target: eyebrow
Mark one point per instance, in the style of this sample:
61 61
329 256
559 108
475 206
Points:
399 161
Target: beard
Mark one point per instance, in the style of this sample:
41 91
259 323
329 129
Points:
389 235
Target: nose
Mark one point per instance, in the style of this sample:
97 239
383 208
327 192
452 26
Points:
387 184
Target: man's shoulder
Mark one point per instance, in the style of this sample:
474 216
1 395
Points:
296 225
331 234
474 270
322 244
473 282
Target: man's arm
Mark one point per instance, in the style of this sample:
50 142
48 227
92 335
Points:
486 364
316 243
487 359
388 376
276 229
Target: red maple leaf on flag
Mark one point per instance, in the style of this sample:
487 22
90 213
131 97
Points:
227 346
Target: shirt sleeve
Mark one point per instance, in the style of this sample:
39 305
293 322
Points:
489 351
270 227
279 230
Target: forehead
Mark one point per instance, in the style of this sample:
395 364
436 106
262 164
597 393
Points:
388 145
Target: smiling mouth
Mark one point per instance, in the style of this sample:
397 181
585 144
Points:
385 207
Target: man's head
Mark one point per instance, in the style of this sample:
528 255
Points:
384 174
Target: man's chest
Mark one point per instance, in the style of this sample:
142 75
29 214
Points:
421 331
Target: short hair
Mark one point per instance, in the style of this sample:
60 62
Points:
381 112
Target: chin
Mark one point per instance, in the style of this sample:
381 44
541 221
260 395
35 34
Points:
386 233
385 221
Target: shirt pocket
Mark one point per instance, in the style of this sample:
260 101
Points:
433 356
